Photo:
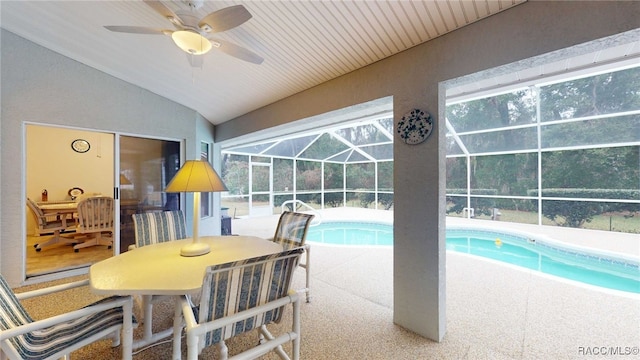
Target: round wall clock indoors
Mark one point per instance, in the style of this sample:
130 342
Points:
80 145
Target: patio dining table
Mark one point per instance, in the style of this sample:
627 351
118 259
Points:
159 269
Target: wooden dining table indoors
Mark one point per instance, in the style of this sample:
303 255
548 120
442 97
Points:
54 217
159 269
60 207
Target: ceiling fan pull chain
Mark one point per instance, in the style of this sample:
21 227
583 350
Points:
193 71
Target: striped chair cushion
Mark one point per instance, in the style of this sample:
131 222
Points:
157 227
233 287
292 229
12 314
41 344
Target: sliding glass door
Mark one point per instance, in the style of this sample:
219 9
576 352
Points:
67 173
63 166
146 167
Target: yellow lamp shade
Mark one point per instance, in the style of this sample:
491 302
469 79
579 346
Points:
196 175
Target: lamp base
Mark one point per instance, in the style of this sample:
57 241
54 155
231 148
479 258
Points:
195 249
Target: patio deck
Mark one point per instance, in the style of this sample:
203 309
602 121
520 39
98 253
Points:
493 311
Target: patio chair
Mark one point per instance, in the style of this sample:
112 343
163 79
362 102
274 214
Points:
95 220
157 227
292 232
152 228
224 310
53 223
22 338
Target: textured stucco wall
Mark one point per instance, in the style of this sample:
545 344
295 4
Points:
41 86
527 34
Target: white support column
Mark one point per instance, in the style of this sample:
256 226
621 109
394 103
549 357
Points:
419 256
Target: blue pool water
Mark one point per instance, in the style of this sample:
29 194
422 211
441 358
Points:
550 258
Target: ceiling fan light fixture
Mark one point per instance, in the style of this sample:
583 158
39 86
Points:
191 42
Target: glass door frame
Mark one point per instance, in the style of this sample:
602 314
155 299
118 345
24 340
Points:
118 170
62 271
67 269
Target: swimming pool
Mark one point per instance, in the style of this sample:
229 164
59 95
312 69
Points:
523 250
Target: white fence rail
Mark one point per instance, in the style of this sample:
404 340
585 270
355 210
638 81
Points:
297 204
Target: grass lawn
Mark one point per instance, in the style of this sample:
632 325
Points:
608 222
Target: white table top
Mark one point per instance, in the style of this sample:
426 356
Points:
59 206
160 270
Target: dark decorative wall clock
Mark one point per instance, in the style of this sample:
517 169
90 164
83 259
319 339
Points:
415 127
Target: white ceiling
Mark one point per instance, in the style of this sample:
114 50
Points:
304 43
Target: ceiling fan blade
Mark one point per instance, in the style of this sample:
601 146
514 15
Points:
237 51
161 9
225 19
138 30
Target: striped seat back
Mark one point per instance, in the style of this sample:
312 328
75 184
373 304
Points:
236 286
55 340
157 227
12 314
292 229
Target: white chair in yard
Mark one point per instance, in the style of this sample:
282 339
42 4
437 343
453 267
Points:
224 311
152 228
292 232
22 338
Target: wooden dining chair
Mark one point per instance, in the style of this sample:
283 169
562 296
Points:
292 232
23 338
95 222
238 297
54 223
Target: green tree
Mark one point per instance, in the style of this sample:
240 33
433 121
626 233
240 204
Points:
385 175
602 168
361 176
308 175
333 176
235 173
603 165
282 174
595 95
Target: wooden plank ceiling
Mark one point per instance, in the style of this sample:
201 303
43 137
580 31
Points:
304 43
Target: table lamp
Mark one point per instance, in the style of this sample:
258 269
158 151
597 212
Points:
125 180
196 176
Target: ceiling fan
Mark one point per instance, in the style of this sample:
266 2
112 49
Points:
193 35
